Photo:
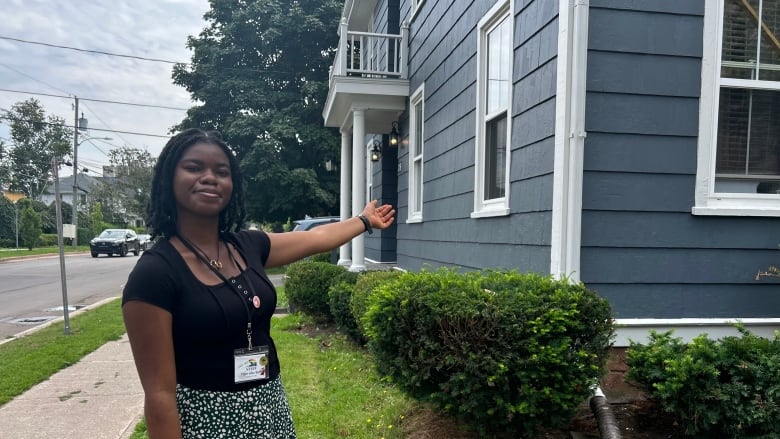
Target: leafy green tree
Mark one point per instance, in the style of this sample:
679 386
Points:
30 226
96 215
261 68
133 168
37 140
7 219
111 201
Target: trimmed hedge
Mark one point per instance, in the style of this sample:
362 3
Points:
306 286
502 351
725 388
339 295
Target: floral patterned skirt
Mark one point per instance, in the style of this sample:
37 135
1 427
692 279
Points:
262 412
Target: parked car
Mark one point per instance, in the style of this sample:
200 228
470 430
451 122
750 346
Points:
309 223
115 241
145 241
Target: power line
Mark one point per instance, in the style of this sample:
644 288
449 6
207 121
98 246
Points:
92 129
106 101
99 52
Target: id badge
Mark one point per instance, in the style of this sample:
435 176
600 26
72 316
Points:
250 364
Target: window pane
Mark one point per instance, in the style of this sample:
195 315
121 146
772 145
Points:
499 51
741 35
417 198
418 127
748 133
495 157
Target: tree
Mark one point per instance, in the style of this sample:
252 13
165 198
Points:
261 70
133 168
29 226
37 140
7 219
97 219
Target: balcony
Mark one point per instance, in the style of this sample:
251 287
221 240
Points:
369 72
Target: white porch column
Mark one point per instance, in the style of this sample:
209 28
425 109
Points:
358 184
345 189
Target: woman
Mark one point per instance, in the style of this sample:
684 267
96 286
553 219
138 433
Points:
198 305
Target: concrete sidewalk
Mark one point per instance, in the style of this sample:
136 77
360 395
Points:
98 397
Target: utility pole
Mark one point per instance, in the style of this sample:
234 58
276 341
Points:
75 201
57 202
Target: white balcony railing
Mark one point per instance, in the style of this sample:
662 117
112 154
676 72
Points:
371 55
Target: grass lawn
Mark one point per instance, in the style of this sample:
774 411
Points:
333 389
13 253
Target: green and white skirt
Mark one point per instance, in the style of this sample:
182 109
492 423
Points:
262 412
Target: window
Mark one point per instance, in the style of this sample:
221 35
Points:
494 95
739 135
416 117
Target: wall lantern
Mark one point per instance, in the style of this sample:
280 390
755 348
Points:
394 135
376 151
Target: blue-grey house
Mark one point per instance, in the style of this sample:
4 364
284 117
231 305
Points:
632 145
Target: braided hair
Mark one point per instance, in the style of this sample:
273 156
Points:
161 216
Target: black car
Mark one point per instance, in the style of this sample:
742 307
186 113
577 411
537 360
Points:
145 241
309 223
115 242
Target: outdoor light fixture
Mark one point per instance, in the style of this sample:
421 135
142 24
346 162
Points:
376 152
394 135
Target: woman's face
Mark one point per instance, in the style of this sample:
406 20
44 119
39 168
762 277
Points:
202 182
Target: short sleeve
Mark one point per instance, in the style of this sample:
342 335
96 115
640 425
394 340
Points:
255 242
152 281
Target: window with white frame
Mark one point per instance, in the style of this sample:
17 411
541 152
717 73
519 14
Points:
739 131
494 97
416 144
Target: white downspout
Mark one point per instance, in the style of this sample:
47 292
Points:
577 134
570 135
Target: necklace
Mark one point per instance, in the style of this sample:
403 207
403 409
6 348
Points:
213 263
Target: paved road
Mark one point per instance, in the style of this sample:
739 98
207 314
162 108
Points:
31 289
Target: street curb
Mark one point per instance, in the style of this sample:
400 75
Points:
57 320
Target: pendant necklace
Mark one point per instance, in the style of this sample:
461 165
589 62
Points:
213 263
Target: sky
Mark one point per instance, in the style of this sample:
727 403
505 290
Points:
155 29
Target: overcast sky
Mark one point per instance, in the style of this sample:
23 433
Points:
144 28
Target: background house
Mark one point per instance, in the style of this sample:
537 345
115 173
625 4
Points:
630 145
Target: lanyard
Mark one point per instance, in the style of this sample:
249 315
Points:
249 312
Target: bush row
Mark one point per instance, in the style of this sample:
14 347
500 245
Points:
715 388
503 352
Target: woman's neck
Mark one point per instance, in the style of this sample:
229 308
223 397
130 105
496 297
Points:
200 232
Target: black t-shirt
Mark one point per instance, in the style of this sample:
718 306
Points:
209 322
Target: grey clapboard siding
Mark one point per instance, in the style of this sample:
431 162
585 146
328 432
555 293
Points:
443 56
641 246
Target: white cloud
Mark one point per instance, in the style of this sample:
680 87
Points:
146 28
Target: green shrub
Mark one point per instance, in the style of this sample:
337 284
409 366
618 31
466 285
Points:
48 240
504 352
321 257
339 295
725 388
307 284
363 288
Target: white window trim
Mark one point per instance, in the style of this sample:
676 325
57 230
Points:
707 201
417 97
499 206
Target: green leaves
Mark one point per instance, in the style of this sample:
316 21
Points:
729 387
260 69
